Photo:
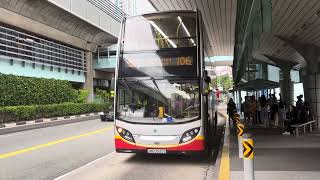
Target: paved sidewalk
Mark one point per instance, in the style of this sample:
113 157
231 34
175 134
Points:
279 157
45 122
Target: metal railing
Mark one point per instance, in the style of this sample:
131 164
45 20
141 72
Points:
109 8
33 49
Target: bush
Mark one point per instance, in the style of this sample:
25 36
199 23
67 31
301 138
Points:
82 95
24 113
17 90
104 96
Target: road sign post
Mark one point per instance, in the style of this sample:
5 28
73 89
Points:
248 170
240 131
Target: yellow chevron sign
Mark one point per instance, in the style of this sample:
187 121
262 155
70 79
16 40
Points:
236 115
247 148
240 129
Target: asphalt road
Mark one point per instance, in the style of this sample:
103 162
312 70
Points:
121 166
51 152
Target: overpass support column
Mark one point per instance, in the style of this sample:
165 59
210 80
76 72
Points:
311 86
286 86
310 74
240 100
89 76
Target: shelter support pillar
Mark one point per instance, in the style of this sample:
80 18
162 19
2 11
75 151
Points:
310 74
311 86
286 85
240 99
88 85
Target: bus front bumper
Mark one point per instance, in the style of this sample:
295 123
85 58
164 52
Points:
195 145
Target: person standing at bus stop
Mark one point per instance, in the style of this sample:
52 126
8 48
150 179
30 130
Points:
231 109
259 108
274 106
299 106
253 109
264 111
245 108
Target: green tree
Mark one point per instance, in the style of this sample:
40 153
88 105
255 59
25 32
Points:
82 95
104 96
225 81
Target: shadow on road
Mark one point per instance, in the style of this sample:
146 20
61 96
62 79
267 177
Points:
205 158
195 159
198 158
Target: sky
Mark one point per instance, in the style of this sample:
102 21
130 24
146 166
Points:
222 70
144 6
221 58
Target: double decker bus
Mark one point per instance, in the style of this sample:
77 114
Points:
162 97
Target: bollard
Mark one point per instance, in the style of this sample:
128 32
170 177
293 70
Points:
236 117
240 130
161 112
237 120
248 170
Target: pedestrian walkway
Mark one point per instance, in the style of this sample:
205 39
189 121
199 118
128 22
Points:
277 156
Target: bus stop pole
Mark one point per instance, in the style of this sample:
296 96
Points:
248 168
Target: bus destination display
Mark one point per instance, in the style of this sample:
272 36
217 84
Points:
177 61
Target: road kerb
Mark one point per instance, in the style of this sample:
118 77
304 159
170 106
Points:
224 170
35 124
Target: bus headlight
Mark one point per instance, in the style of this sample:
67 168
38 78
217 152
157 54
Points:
125 134
189 135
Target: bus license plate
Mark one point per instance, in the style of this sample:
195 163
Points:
157 151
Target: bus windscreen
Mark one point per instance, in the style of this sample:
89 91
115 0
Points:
159 31
157 45
140 100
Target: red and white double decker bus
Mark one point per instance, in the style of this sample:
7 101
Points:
161 101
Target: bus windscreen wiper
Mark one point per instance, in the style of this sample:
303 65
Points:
133 104
127 88
155 83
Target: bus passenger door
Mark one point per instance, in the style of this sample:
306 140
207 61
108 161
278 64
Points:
207 116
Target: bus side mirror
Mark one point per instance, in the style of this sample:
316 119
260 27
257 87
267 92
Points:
205 85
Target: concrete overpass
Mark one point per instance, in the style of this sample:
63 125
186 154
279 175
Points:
281 33
63 36
79 23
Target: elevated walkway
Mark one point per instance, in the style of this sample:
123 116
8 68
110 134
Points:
81 24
